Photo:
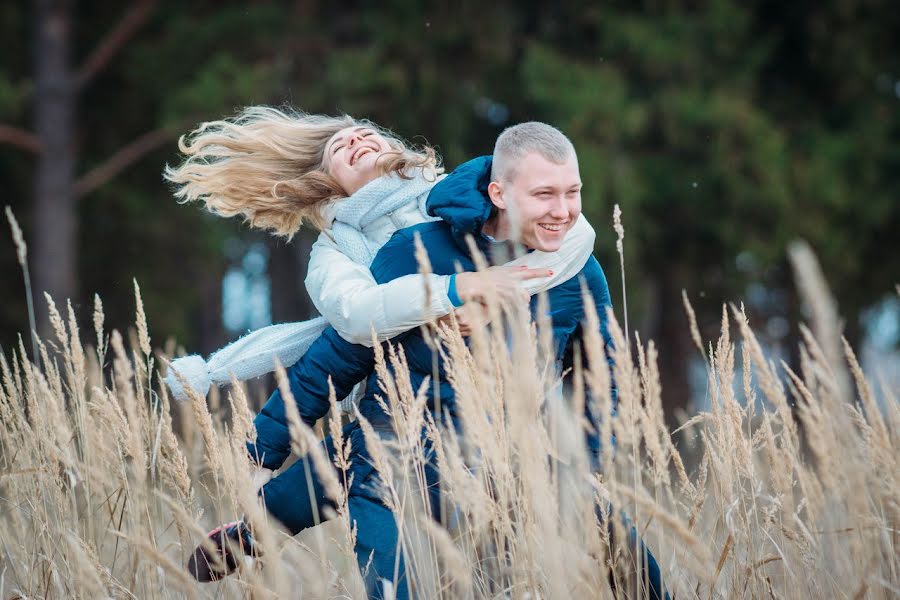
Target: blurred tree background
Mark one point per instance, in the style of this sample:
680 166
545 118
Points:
722 128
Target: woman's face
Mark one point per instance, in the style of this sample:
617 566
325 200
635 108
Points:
351 156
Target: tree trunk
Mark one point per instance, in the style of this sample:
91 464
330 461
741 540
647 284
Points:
675 347
287 270
54 224
209 329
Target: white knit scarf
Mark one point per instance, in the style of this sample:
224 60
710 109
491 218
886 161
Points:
258 352
377 198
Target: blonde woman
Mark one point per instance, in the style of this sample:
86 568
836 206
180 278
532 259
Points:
356 183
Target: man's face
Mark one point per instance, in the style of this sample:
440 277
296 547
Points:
543 199
351 156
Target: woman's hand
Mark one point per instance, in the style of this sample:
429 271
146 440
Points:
501 283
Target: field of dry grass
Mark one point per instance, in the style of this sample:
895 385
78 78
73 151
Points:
101 496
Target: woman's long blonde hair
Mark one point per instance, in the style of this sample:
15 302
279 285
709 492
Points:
265 165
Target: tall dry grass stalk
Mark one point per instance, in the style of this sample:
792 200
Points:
22 256
792 493
620 248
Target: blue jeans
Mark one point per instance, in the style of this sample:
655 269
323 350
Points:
297 499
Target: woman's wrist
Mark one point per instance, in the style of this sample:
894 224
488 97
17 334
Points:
456 299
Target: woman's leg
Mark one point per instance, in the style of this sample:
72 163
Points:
297 497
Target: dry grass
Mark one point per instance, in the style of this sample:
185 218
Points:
102 498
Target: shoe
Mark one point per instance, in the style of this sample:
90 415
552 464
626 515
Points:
232 542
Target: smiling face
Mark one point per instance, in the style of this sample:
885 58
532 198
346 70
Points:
541 201
351 157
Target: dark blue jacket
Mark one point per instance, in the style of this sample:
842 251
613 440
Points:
461 201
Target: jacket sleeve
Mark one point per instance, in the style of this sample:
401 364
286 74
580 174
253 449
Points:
568 261
329 356
597 286
350 299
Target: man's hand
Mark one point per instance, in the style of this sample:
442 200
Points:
469 316
502 283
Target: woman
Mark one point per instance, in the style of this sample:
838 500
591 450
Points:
357 184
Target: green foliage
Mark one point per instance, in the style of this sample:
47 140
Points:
14 96
211 63
706 161
686 154
189 64
721 128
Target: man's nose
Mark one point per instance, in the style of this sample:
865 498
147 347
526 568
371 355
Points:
560 208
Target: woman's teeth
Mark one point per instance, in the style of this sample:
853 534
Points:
359 153
553 227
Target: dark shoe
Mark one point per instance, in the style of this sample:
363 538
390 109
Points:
231 542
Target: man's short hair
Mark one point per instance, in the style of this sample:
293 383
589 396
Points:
518 141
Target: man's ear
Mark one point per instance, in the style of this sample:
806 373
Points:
495 192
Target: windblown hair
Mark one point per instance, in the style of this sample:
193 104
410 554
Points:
266 165
520 140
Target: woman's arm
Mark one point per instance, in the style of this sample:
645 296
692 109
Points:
354 304
533 272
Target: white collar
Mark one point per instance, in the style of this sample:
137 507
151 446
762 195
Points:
329 212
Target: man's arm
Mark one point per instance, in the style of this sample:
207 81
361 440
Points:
594 280
329 356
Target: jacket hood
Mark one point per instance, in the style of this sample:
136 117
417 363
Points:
461 199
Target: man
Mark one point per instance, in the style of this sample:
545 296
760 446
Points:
530 192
